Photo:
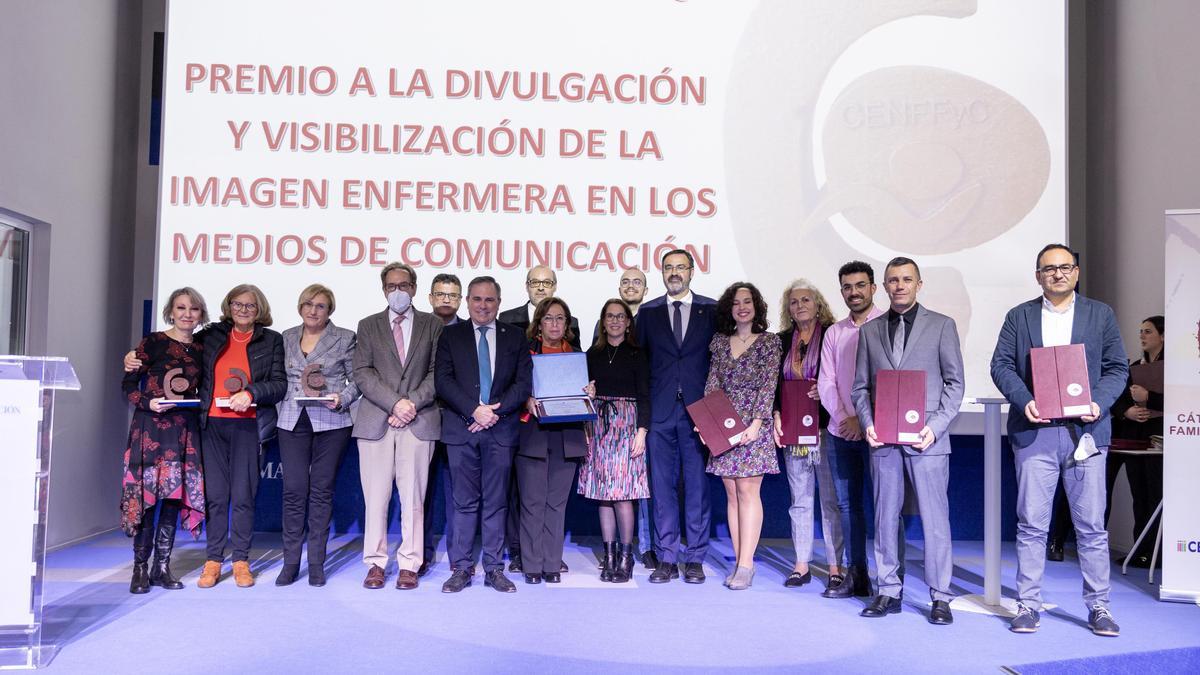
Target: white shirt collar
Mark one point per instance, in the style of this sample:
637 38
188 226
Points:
687 299
1049 306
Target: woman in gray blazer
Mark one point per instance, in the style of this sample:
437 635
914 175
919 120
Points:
314 428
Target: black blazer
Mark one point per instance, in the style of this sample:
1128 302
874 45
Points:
537 438
268 378
1127 429
519 317
786 338
456 378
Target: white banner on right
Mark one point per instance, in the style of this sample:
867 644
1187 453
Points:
1181 431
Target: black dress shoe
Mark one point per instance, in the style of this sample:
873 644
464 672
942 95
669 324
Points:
553 577
532 579
424 568
940 614
563 568
796 579
316 574
498 581
664 572
881 606
1054 551
650 560
287 575
514 563
839 586
693 573
458 580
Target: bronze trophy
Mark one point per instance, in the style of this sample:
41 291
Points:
237 381
175 385
312 381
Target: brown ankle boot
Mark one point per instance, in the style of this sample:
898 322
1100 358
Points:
209 575
242 575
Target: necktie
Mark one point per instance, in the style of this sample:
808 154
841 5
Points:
398 336
898 344
485 367
677 323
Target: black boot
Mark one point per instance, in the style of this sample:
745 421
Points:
164 543
610 562
623 570
142 544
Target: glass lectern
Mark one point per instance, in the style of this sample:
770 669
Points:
27 386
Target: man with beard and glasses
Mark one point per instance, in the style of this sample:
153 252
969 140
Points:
676 329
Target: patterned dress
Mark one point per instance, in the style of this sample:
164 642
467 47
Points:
162 458
611 472
749 382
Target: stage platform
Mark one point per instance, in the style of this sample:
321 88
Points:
580 626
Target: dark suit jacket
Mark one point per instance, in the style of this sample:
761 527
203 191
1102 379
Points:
384 381
519 317
456 377
268 379
676 368
1095 327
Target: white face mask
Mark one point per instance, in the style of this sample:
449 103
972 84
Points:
399 301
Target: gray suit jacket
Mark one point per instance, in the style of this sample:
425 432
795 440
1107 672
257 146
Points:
384 381
335 353
933 347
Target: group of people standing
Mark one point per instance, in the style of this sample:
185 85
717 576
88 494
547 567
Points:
450 398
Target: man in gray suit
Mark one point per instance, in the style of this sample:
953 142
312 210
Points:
397 423
910 337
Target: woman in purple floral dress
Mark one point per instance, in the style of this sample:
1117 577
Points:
162 460
745 365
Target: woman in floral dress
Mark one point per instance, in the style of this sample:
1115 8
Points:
162 460
745 365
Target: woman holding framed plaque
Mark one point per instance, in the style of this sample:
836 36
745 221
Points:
745 365
314 428
804 317
614 471
547 457
163 470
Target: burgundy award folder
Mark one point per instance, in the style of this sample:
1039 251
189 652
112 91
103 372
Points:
899 406
718 422
798 413
1060 381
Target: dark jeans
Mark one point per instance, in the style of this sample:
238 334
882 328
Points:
310 464
439 471
849 464
231 460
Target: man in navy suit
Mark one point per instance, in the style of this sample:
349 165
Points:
1046 449
483 374
676 329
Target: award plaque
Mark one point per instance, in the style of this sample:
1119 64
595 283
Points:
1060 381
899 406
558 382
237 381
312 381
175 385
799 414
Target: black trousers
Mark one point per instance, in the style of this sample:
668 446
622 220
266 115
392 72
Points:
231 460
310 465
439 471
512 526
545 487
480 472
1145 476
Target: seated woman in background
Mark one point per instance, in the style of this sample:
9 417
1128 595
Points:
1137 415
162 460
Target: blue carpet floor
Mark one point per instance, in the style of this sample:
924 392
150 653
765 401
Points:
581 626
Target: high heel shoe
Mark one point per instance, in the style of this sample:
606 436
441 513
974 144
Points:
742 579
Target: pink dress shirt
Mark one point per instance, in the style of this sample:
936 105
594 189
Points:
836 378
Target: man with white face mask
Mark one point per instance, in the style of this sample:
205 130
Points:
396 424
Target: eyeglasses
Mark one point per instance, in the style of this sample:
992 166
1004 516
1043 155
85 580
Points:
554 319
632 282
319 306
1061 269
243 306
671 269
402 286
439 295
540 283
616 317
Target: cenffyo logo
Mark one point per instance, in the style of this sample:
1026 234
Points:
1184 546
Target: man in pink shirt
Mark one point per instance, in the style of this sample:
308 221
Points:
850 450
